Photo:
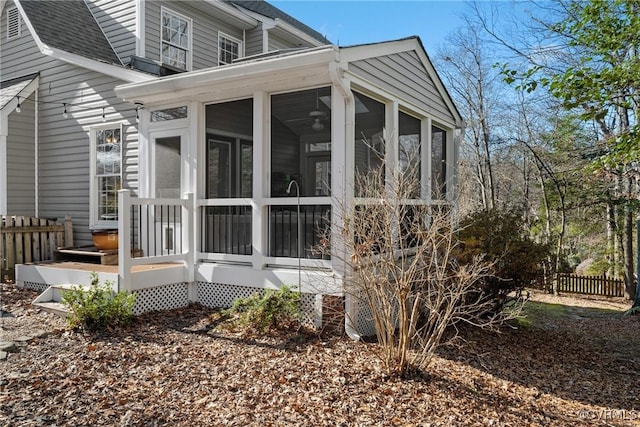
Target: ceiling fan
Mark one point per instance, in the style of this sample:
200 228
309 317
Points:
317 116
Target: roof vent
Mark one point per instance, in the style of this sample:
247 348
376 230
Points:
13 23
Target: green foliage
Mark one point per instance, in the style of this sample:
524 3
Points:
499 237
633 311
266 310
603 38
98 307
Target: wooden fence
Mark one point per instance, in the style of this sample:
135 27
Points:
592 285
25 239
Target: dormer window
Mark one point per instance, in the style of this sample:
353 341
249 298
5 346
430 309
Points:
13 23
229 49
176 40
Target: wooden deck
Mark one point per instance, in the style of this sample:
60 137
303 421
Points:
100 268
143 276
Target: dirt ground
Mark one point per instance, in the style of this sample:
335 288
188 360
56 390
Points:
570 362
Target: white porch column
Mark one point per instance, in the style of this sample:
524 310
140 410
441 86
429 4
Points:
425 158
260 215
124 241
342 116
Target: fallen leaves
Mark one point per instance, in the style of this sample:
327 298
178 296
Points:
174 368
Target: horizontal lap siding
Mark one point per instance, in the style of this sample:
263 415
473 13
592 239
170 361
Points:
253 41
21 160
117 18
403 74
204 30
64 143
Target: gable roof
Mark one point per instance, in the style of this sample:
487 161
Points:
70 26
266 9
365 51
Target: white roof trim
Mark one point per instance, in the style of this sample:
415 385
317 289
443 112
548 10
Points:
242 70
100 67
291 30
233 11
91 64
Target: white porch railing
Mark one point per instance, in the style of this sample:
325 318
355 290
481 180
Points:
154 231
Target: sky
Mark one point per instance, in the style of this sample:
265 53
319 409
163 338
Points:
349 22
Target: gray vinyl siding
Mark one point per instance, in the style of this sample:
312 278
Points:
204 31
117 18
64 149
404 75
278 43
21 195
64 162
254 41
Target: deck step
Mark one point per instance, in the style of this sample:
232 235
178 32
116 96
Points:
52 307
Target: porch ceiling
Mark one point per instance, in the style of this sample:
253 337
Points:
11 89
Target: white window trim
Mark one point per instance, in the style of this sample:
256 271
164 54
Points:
93 185
10 11
222 35
189 34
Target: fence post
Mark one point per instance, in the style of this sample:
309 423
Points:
68 232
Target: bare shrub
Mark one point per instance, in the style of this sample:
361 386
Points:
398 254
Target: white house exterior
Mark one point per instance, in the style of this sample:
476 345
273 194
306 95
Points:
226 164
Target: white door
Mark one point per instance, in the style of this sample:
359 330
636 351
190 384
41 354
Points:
161 225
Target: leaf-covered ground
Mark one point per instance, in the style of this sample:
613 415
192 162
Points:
565 365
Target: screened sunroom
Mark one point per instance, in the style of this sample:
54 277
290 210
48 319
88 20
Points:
260 155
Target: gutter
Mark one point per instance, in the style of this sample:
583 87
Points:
344 88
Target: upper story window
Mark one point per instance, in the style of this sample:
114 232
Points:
13 23
176 40
228 49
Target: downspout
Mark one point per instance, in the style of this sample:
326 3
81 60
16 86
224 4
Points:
350 306
36 156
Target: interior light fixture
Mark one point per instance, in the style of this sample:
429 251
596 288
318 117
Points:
317 125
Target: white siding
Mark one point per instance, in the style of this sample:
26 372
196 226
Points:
204 30
21 194
117 18
64 143
404 74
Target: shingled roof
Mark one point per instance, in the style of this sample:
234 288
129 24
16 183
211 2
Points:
270 11
69 25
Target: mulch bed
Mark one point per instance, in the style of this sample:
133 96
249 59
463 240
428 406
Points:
178 368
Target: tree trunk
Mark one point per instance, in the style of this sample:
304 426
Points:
630 285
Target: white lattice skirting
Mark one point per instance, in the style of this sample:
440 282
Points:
218 295
165 297
40 287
